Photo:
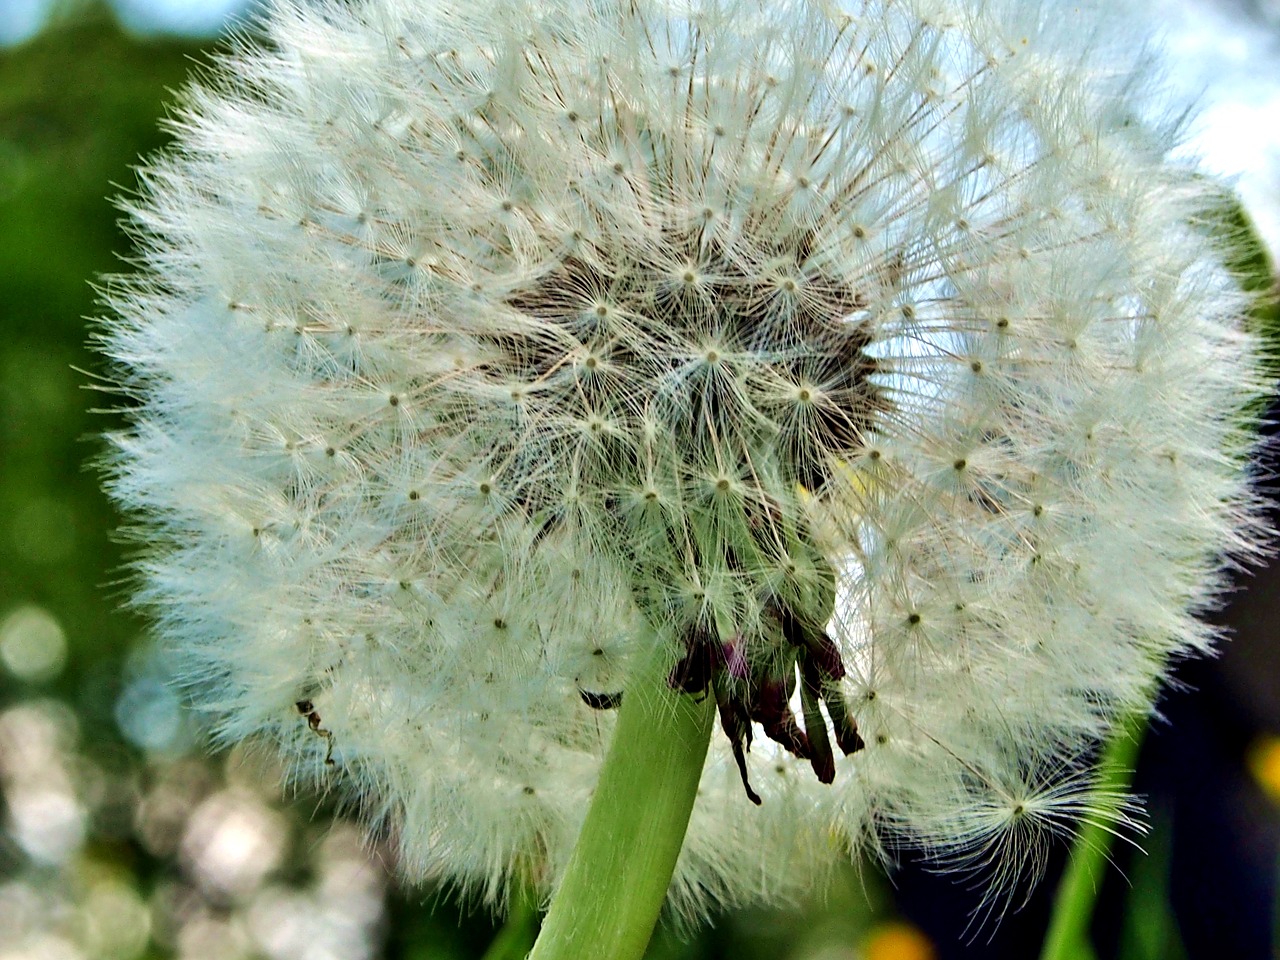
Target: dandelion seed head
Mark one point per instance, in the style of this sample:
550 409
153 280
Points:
867 356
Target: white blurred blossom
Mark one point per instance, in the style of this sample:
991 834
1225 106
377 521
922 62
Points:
870 357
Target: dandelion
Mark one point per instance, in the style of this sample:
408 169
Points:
856 372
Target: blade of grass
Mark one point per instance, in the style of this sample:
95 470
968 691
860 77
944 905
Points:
1068 935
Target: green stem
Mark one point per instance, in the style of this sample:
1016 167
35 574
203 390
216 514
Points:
617 877
1068 936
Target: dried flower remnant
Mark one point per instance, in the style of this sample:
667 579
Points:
307 710
866 358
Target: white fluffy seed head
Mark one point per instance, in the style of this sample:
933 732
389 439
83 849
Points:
479 345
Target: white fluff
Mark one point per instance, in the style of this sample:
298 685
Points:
474 340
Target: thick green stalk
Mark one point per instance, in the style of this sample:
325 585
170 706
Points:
1068 935
618 874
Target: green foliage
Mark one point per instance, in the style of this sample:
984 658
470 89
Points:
1251 262
77 108
1150 930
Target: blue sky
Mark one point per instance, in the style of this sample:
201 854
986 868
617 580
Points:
20 19
1230 64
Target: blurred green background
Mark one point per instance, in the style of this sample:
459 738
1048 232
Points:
121 838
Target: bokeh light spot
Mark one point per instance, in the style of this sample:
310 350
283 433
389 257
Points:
1264 763
233 841
898 941
46 818
117 923
48 823
33 645
149 715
